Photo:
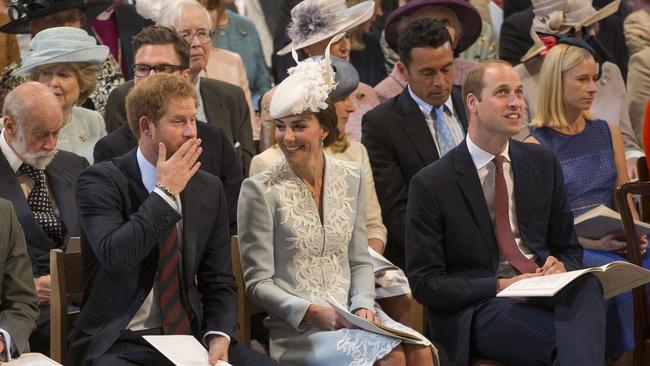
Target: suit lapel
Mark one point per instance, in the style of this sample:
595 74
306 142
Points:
129 164
62 189
189 201
521 176
10 189
415 127
215 111
459 106
470 185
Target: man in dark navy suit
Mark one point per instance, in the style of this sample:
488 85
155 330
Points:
155 241
416 127
157 46
491 212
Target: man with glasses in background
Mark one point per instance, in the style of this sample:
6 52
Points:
221 104
161 50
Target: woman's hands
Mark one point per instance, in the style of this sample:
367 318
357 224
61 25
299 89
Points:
326 318
611 243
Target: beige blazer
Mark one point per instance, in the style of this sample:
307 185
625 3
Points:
638 89
227 66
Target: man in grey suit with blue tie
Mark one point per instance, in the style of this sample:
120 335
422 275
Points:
415 128
491 212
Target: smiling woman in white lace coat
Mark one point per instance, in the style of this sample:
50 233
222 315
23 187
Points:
303 238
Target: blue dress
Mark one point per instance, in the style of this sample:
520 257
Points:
587 161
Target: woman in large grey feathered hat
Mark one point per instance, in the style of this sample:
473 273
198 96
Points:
303 240
314 23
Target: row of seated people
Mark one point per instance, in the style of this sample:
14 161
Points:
441 45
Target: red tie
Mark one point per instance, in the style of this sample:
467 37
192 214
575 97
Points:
505 238
174 316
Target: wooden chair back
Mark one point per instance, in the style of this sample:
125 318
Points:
640 300
245 307
644 176
67 281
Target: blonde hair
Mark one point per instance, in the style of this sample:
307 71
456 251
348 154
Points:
86 74
551 110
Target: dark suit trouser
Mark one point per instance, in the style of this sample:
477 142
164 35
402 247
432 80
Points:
567 329
140 352
39 340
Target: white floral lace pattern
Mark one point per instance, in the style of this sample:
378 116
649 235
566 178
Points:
364 348
320 248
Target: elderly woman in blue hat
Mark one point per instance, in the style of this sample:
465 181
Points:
303 239
66 60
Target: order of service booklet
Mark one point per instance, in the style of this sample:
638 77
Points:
601 221
382 329
615 277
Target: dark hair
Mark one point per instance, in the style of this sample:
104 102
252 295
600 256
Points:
423 32
329 121
158 35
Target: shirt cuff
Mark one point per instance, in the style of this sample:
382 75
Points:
5 355
167 199
212 332
629 154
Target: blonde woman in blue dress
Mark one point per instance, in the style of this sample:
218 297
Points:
303 241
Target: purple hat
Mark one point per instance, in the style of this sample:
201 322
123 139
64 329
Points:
466 13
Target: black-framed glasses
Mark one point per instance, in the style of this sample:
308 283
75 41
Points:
142 70
203 35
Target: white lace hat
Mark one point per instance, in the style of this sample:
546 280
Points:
315 20
311 83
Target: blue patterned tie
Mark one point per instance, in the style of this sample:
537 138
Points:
445 139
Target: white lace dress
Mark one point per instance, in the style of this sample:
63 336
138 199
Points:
291 260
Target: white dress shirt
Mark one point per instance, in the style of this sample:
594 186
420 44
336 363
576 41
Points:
486 170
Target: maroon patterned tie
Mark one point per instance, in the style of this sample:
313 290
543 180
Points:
505 238
174 316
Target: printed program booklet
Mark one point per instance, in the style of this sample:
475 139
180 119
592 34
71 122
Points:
601 221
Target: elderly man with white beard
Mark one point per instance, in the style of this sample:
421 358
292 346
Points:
39 182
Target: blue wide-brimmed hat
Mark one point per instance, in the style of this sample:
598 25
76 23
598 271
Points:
61 45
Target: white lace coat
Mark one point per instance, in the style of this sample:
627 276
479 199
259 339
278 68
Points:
291 260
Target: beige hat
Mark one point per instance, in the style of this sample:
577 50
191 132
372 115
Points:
555 17
315 20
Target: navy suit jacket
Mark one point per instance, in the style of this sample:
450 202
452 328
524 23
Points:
218 158
61 174
399 144
451 249
122 227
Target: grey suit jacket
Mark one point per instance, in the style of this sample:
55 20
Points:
18 309
225 106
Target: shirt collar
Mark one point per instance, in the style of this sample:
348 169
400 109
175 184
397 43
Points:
148 172
426 107
481 157
14 161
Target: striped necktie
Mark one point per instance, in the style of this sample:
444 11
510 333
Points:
175 319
